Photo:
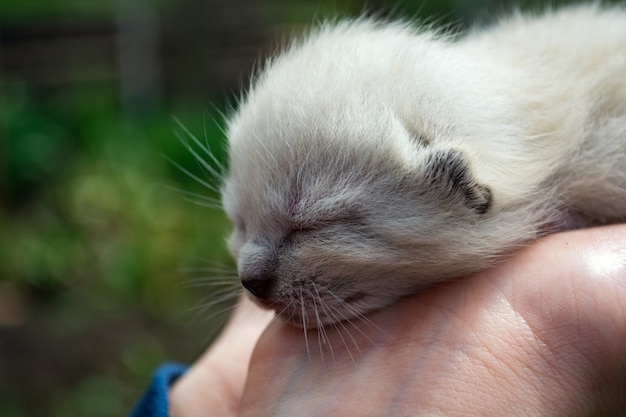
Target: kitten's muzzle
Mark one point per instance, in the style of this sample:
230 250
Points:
260 285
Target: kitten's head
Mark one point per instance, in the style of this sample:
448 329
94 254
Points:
336 214
339 207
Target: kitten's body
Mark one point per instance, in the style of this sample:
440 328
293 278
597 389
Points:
371 160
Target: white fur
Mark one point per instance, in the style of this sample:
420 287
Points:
331 154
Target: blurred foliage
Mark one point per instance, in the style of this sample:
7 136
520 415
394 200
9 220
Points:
87 198
94 236
94 239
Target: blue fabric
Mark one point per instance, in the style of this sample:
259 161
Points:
154 402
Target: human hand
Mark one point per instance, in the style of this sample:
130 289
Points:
213 386
541 334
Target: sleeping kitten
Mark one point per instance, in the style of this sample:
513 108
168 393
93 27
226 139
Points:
370 160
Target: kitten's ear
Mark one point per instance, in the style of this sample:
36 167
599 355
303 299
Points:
447 172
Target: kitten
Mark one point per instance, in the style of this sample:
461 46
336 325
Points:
370 160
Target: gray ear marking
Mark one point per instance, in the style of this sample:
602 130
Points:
448 173
483 199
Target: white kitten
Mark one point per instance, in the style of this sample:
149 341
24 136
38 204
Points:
370 159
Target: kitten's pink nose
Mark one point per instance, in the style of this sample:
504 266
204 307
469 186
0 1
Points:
259 285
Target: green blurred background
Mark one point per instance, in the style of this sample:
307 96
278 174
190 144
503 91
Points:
105 268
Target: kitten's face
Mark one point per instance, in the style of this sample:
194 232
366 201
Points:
336 219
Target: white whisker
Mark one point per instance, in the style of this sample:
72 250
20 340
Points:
191 175
197 196
220 126
213 300
322 333
210 284
318 325
339 325
204 147
214 264
212 206
226 271
306 338
209 171
355 315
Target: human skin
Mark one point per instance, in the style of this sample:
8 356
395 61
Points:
540 334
